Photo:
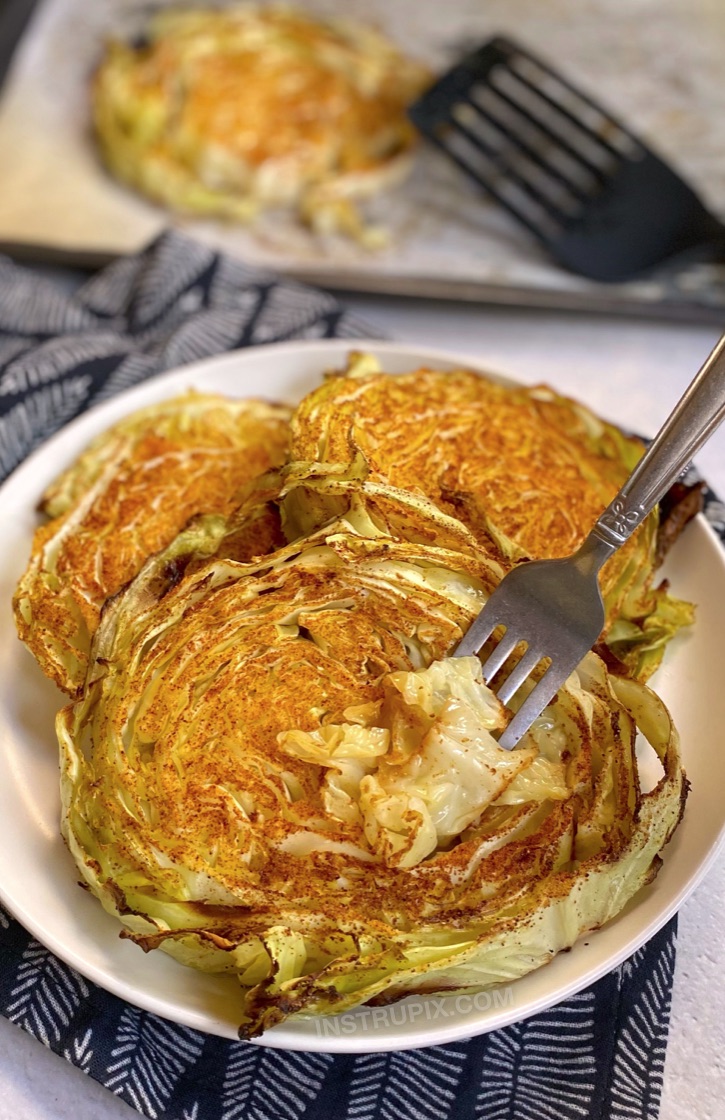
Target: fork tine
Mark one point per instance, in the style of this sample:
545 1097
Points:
498 657
533 705
518 675
478 632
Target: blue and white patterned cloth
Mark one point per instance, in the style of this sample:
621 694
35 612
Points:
597 1056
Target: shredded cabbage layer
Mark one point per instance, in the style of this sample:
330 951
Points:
276 770
272 765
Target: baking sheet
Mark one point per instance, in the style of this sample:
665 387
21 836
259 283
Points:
656 63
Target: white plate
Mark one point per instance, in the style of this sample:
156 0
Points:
38 881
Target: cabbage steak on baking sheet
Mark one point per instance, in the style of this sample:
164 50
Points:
225 112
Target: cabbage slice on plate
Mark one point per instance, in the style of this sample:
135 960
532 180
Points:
524 467
128 495
275 771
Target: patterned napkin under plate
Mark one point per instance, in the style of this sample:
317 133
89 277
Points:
597 1056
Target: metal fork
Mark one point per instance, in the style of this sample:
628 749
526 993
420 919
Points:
554 607
591 192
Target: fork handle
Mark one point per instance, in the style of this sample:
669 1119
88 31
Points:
699 412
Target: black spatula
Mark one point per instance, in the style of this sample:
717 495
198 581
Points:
591 192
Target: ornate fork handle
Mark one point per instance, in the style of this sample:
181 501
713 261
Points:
619 521
699 412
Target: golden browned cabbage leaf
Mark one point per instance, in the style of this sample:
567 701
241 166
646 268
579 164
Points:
524 467
271 765
128 495
225 112
275 771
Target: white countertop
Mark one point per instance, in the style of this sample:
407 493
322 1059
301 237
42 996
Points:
631 372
